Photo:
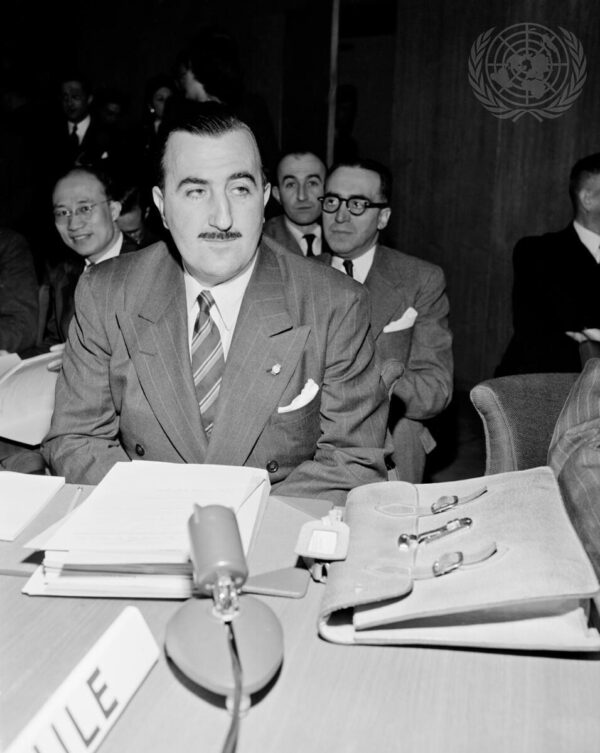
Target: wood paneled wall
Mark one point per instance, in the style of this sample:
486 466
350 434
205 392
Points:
469 185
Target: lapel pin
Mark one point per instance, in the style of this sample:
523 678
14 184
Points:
275 369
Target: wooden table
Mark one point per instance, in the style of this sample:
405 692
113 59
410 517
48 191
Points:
326 697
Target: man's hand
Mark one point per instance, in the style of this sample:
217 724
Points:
56 364
586 335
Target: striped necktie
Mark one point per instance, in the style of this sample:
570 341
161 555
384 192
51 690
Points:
208 361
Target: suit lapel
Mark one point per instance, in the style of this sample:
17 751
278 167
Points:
157 337
383 292
264 336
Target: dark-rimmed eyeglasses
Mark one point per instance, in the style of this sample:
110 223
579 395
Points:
85 211
357 205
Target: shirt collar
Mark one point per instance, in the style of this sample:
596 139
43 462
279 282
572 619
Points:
589 239
361 264
299 233
227 295
113 251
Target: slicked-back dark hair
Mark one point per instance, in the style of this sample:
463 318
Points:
385 175
582 170
200 119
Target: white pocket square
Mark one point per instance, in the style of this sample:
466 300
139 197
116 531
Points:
405 322
309 390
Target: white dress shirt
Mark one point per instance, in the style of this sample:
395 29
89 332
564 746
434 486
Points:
110 253
361 264
589 239
82 127
299 234
228 300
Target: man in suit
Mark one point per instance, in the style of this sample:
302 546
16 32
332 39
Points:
220 348
85 216
79 137
18 294
574 456
300 183
409 307
556 283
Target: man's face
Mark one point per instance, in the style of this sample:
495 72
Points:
92 235
300 178
347 235
212 202
75 101
132 223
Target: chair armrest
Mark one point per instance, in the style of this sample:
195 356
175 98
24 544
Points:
519 413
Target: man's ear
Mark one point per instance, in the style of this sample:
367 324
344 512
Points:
267 193
384 218
276 194
115 209
159 201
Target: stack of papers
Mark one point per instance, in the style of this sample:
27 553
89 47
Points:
22 497
129 538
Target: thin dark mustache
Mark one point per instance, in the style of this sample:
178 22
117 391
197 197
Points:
227 235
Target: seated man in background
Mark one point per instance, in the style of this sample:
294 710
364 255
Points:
300 183
409 307
85 215
556 284
218 348
18 294
574 456
132 220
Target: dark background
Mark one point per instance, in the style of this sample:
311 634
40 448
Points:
468 185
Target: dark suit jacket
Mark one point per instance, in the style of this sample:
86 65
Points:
574 456
126 389
277 229
62 280
556 284
416 361
18 293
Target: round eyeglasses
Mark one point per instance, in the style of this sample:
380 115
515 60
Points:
357 205
85 211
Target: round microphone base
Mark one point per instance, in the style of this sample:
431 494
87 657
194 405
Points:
197 642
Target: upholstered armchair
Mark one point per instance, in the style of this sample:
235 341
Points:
519 413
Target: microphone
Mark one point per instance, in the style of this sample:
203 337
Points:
230 644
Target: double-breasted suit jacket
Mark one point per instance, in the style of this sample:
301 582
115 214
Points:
126 390
574 456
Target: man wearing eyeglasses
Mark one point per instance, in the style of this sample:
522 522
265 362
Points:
85 216
409 307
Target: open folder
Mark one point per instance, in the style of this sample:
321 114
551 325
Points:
510 574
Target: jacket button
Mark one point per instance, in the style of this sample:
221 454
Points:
140 450
272 466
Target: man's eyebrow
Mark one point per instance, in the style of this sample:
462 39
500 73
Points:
242 174
294 177
190 181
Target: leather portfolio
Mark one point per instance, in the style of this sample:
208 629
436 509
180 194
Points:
490 562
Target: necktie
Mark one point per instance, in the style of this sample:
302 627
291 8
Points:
74 141
349 267
208 361
309 238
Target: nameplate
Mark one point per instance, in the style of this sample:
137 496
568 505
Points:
80 713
